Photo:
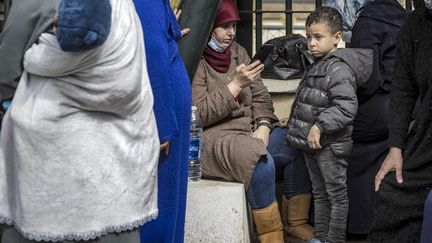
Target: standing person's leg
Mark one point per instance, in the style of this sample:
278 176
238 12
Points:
296 198
333 169
261 197
363 165
321 200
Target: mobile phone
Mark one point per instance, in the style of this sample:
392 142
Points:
259 57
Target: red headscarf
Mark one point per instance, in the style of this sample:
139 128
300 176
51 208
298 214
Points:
227 12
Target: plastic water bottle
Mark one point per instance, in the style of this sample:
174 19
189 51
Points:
196 131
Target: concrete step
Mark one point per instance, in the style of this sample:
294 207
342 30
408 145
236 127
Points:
216 212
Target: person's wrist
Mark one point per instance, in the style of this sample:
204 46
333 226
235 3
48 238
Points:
266 124
234 88
396 151
317 125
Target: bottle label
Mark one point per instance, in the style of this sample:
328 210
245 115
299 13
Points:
194 148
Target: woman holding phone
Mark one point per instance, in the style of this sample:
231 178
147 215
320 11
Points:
237 114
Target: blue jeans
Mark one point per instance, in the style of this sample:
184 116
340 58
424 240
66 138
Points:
290 164
261 191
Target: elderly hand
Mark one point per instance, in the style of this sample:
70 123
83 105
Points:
177 13
393 162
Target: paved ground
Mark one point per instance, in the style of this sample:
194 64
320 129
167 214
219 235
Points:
351 239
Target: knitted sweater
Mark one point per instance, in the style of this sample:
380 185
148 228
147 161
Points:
400 206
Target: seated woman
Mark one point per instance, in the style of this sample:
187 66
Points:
237 113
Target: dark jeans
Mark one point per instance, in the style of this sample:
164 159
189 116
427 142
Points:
261 191
290 164
328 175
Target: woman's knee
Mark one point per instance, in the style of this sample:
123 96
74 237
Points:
264 171
261 191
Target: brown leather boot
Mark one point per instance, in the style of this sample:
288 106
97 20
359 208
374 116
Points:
268 224
295 213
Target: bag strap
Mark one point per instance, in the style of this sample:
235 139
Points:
306 56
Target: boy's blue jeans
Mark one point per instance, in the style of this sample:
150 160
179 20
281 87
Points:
283 163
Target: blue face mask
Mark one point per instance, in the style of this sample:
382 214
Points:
428 4
215 45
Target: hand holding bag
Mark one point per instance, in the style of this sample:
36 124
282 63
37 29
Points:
284 57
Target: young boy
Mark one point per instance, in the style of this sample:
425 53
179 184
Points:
322 116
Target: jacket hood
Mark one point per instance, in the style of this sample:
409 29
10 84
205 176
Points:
359 60
387 11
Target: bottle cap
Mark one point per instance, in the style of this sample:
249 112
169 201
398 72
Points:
5 104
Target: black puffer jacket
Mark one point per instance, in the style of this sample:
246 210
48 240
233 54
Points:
327 97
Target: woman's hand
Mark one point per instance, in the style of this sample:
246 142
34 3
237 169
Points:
393 162
263 133
244 76
314 137
177 13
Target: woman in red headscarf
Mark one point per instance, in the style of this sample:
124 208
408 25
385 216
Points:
237 113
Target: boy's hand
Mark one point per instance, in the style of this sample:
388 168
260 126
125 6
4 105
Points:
314 137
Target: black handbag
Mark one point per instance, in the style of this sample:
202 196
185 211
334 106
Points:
284 57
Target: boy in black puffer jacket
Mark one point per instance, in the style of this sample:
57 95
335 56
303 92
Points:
322 116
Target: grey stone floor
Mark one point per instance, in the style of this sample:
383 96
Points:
356 240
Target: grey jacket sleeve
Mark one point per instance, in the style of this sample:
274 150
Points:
27 20
343 102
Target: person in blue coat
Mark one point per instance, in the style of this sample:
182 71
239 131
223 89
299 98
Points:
172 107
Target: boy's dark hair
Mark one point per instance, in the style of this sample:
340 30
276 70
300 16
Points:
327 15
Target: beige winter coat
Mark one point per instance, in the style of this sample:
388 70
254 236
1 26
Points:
229 151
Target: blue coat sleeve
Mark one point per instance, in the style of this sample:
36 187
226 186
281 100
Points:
155 24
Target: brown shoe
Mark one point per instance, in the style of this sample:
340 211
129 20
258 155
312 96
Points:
295 213
268 224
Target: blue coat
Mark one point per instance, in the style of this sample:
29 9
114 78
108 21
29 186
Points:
172 106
